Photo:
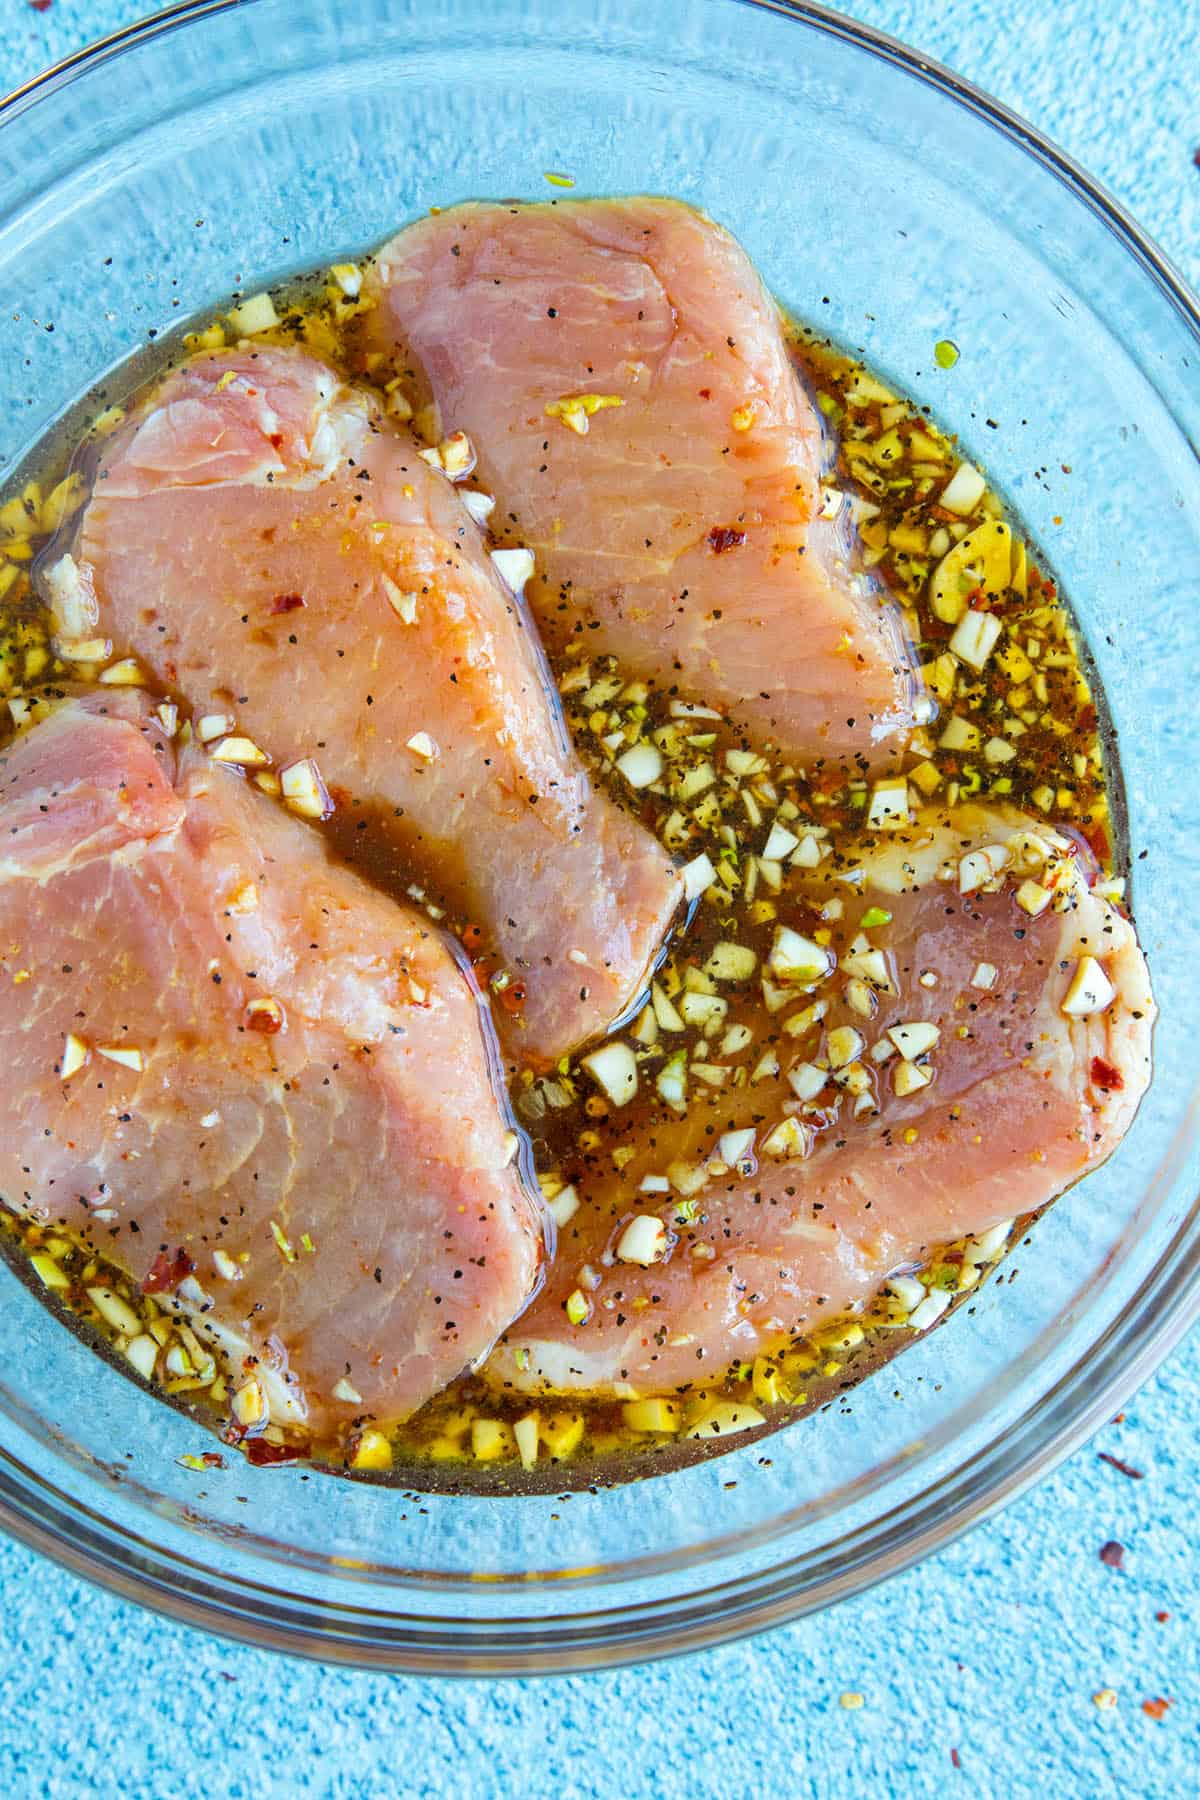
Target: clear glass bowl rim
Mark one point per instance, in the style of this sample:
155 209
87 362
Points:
73 1534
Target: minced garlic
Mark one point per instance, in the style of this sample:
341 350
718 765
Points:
577 410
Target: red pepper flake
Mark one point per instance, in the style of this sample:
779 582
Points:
472 938
1156 1709
1162 1617
956 1759
267 1020
285 603
1112 1554
705 393
41 5
512 997
1122 1468
724 537
261 1453
1096 838
212 1459
166 1272
1105 1077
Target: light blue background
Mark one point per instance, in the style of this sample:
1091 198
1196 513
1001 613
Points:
994 1649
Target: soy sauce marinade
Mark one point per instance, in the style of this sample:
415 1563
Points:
1022 729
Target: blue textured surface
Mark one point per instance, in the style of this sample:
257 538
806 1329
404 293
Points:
993 1650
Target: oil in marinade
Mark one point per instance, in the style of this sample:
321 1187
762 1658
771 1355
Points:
1023 729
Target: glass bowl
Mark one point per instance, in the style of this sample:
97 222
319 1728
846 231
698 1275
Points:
890 202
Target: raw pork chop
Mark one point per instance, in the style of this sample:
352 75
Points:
1009 1102
303 1064
272 550
625 380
